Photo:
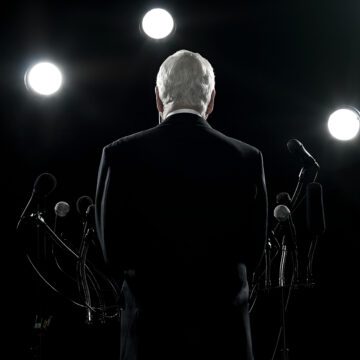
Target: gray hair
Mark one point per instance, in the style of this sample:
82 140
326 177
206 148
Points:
185 79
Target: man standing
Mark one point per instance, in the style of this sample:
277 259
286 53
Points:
181 214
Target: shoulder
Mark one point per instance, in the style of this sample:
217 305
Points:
243 148
127 142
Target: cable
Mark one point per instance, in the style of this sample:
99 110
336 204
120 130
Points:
51 286
262 274
40 220
81 271
58 264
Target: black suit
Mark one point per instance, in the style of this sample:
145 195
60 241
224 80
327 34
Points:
181 213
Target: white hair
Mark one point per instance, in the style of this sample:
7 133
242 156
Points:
185 79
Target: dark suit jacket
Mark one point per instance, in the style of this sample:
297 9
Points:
181 213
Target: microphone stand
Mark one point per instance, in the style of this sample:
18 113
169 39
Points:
294 254
309 275
288 242
268 248
307 171
282 284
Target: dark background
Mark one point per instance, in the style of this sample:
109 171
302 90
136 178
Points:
281 68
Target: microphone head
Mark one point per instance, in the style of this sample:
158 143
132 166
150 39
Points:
282 213
82 204
44 184
62 208
315 217
294 146
283 198
297 149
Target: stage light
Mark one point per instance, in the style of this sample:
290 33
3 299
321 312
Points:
343 124
44 78
157 23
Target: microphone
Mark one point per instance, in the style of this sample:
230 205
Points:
315 217
297 149
283 199
82 205
62 208
281 213
44 185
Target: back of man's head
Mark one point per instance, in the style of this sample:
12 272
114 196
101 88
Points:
185 80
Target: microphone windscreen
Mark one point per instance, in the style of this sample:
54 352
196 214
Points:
315 217
44 184
283 198
294 146
281 213
297 149
82 204
62 208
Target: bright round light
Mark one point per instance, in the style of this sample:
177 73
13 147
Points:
344 124
157 23
44 78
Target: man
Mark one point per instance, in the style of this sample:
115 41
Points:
181 214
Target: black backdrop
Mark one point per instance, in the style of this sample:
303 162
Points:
281 68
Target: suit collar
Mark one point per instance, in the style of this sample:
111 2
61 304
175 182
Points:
185 119
184 110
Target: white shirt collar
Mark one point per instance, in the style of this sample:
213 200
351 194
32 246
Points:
180 111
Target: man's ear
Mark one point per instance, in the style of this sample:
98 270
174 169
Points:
210 107
159 103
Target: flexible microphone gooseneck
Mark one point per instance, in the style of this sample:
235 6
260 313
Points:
309 170
44 185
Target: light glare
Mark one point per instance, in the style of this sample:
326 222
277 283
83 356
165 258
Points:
343 124
44 78
157 23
